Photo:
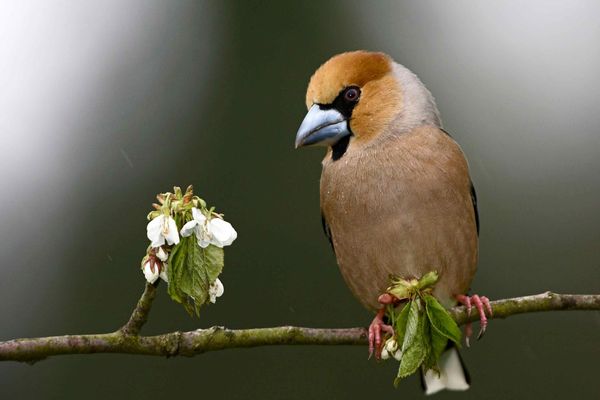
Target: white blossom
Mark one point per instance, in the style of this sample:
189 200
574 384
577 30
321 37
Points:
162 228
152 274
216 290
391 348
197 226
214 231
391 345
221 232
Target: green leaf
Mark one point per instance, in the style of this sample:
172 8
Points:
436 345
441 320
399 291
412 323
400 324
428 280
191 271
414 347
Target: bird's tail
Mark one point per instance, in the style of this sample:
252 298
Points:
453 374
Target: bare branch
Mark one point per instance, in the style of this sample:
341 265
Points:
139 316
126 340
547 301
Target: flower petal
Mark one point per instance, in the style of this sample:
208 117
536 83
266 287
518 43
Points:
170 232
161 254
384 354
189 228
203 242
163 274
198 216
220 287
391 345
222 232
151 276
216 290
154 231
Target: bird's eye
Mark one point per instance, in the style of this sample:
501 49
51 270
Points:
352 94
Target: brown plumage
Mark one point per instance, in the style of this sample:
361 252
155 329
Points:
399 199
401 206
396 196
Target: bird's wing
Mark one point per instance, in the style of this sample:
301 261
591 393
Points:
474 201
327 231
473 194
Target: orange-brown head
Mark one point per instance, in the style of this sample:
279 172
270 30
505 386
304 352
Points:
360 95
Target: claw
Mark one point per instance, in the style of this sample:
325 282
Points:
377 326
481 333
482 318
482 304
488 306
468 333
465 301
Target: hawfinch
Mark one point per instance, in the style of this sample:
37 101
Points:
396 196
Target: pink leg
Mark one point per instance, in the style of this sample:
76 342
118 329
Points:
377 326
466 301
488 306
482 304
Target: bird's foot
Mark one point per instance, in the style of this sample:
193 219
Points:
482 304
378 326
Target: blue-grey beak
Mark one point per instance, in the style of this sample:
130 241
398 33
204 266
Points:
321 127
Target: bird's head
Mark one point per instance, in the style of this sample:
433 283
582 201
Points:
360 95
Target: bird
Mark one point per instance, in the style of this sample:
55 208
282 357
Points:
396 195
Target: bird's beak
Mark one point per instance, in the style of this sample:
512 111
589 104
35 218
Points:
321 127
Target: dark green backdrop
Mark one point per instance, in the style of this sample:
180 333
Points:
103 105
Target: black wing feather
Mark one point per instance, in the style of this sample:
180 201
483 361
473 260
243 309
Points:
474 201
473 194
327 231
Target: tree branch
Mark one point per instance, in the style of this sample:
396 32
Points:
127 341
139 316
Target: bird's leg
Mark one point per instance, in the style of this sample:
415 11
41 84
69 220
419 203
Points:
466 301
378 325
482 304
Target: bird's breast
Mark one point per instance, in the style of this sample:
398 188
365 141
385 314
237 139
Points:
401 208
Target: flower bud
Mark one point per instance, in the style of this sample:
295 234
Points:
151 273
161 254
391 345
216 290
384 354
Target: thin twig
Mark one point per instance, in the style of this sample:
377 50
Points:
218 338
139 316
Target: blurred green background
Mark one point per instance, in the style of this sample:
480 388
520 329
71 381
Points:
104 104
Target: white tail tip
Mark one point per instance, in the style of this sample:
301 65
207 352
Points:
453 375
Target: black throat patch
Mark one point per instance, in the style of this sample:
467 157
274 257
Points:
345 108
339 149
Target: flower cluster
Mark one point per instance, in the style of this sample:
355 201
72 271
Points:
208 227
391 349
161 230
155 266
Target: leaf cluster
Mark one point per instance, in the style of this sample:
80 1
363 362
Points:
423 327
